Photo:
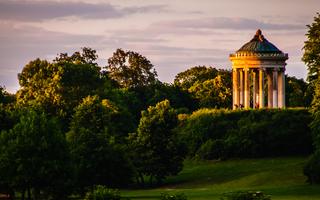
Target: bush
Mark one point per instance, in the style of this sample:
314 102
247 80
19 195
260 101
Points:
103 193
178 196
245 195
312 168
221 134
212 149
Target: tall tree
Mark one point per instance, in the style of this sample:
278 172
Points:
98 159
186 79
130 69
311 49
312 59
212 93
34 156
207 85
156 151
297 93
59 86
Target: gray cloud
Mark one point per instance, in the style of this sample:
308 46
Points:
43 10
228 23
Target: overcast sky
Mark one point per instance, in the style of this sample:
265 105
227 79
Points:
173 34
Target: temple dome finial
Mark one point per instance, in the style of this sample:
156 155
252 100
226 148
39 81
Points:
259 32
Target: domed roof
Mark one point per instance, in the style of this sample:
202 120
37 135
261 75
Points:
258 44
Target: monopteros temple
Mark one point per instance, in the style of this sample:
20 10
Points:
253 62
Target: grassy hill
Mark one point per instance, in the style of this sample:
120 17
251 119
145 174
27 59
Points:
282 178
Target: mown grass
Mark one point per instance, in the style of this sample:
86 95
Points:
282 178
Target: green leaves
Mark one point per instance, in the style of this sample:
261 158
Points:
156 150
311 49
34 153
130 69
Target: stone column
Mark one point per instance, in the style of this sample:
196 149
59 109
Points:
241 103
281 89
275 87
235 88
270 89
246 88
255 81
261 88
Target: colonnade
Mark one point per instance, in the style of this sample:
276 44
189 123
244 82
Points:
249 87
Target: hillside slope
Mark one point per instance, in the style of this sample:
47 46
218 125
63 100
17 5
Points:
282 178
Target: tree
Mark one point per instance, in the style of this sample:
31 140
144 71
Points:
130 69
98 159
156 151
311 49
6 97
208 86
212 93
297 92
186 79
178 98
59 86
311 57
34 156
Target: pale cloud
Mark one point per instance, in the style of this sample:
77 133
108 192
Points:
227 23
44 10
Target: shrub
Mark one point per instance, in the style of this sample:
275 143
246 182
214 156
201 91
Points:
221 134
103 193
312 168
245 195
212 149
178 196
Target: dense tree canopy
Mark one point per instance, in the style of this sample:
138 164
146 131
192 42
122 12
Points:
130 69
207 85
34 156
156 151
297 93
6 97
188 78
312 59
311 49
97 158
59 86
212 93
109 140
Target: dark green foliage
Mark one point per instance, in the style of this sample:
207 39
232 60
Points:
212 149
177 196
178 98
130 69
34 156
59 86
8 117
156 150
212 93
5 97
103 193
297 93
245 195
311 48
214 134
208 86
312 168
97 157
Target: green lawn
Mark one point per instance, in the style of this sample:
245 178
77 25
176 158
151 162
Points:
282 178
